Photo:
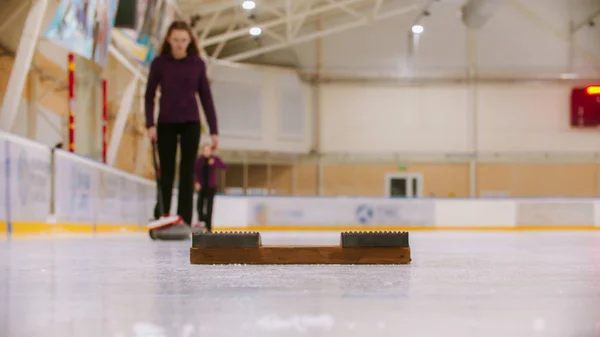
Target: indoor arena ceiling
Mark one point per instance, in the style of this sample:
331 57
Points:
224 26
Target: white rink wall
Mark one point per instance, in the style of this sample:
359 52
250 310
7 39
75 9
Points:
90 192
26 180
86 196
336 213
83 196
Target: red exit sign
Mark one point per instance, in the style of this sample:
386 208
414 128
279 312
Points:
593 90
585 106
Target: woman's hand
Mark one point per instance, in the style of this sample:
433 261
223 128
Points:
152 133
215 141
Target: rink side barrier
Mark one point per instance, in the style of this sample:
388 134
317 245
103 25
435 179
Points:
25 184
56 192
87 196
92 197
365 213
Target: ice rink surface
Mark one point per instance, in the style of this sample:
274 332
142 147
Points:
459 284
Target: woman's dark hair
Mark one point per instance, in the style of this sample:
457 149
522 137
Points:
192 49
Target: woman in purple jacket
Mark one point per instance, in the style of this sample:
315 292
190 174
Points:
181 74
206 184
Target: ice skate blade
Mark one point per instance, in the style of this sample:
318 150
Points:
172 233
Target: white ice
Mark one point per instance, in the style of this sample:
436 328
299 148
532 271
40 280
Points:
459 284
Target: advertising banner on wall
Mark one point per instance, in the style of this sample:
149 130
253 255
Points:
365 212
142 44
109 201
29 182
76 201
84 27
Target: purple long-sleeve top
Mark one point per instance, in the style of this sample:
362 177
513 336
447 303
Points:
179 81
212 170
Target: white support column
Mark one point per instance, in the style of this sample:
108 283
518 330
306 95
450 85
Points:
87 111
473 108
119 126
23 58
44 113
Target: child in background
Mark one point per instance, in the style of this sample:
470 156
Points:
205 183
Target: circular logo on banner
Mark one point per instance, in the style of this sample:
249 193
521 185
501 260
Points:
364 214
23 177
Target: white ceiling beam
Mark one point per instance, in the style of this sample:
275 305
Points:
558 33
585 22
271 9
266 31
206 9
177 9
302 18
210 25
221 44
376 8
320 34
476 13
346 9
23 58
122 59
276 22
288 14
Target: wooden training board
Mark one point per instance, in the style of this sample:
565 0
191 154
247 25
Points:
368 248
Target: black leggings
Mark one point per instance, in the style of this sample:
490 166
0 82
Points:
188 136
206 196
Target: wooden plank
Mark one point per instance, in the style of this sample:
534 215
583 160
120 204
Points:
300 255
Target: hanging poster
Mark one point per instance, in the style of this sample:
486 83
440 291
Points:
154 18
83 26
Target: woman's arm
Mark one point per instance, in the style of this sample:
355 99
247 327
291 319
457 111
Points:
219 163
206 100
151 85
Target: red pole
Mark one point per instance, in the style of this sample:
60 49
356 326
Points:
104 119
71 102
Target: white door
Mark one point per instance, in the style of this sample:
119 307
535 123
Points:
404 184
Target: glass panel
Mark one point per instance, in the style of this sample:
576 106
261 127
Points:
398 187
